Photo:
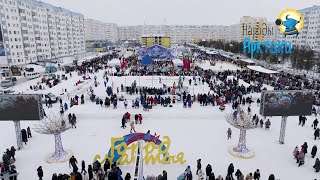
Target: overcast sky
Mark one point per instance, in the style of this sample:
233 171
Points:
179 12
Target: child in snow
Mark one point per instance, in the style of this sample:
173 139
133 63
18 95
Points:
132 127
261 123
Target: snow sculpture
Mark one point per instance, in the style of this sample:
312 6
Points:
241 120
55 124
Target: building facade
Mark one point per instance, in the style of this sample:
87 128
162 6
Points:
99 31
36 31
155 40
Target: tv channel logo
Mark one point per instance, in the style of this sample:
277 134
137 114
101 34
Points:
290 22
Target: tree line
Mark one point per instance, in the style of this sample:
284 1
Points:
301 58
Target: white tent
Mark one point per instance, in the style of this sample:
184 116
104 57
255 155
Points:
177 62
248 61
262 69
114 62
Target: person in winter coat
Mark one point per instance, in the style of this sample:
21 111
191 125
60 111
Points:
132 127
267 124
140 118
239 175
189 173
261 123
200 175
83 167
230 170
136 117
55 177
101 102
40 172
24 136
316 133
128 177
70 118
249 176
65 106
229 133
315 124
271 177
211 176
198 165
301 158
29 132
295 152
78 176
316 165
73 163
106 165
208 170
125 103
304 147
123 122
164 175
13 152
74 121
314 151
182 176
219 178
90 172
118 173
256 175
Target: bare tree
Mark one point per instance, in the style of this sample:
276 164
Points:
55 124
241 120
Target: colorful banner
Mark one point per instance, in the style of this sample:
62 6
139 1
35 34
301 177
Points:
123 150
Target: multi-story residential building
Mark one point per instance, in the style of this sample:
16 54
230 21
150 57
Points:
177 33
310 32
37 31
251 27
99 31
94 30
111 32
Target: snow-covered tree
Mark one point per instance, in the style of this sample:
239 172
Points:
55 124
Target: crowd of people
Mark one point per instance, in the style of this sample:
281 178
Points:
223 91
208 174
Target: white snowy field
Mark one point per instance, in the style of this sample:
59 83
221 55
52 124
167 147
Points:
199 132
219 66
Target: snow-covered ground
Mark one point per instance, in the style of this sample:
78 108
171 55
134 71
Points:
199 132
219 66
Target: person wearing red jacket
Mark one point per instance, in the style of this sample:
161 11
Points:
155 101
140 118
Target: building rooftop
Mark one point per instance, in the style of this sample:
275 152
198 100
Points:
313 8
50 7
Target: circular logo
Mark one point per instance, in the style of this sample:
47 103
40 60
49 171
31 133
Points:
290 22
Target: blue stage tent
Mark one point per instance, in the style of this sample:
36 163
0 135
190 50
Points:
146 60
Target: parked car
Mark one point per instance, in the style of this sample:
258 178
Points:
45 97
6 91
6 83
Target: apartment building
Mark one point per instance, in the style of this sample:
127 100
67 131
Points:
36 31
99 31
